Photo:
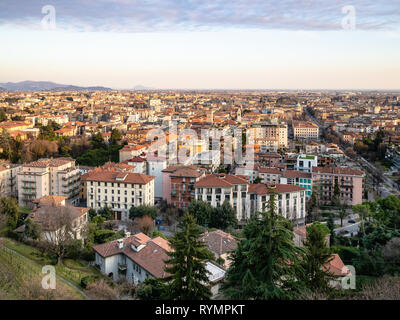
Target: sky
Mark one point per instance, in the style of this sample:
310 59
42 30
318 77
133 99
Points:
203 44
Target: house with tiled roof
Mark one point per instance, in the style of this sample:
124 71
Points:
58 221
138 257
221 244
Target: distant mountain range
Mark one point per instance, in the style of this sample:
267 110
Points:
45 86
141 88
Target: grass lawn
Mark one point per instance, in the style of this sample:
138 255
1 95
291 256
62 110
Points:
21 278
71 270
24 210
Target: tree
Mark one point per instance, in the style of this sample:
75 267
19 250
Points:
32 229
342 213
106 213
266 263
9 208
98 141
336 195
223 217
146 224
330 223
91 214
202 211
58 223
115 136
317 255
98 220
151 289
257 180
143 210
186 264
363 209
3 116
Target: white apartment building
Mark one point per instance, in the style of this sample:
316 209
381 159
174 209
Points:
216 188
8 179
155 166
247 199
54 177
118 190
271 131
290 200
305 130
306 162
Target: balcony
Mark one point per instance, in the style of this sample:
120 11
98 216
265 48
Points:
122 266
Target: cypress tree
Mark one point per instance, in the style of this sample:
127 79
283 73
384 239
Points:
317 255
186 265
266 264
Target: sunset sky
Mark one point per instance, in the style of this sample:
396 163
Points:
237 44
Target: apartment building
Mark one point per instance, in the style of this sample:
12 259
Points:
298 178
118 190
290 200
8 179
271 131
216 188
305 130
54 177
350 183
305 163
178 183
269 175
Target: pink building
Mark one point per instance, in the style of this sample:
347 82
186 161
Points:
350 183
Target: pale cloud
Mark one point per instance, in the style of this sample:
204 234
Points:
188 15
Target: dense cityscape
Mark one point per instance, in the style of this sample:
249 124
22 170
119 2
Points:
192 159
104 185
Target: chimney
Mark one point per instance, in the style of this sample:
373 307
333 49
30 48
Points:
120 243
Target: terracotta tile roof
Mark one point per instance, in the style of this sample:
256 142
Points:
219 242
296 174
270 170
304 124
214 180
137 159
111 176
187 172
262 188
44 163
337 170
151 257
50 200
336 266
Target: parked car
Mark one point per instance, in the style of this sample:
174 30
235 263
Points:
351 221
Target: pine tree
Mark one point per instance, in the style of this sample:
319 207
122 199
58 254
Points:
188 275
317 255
266 264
